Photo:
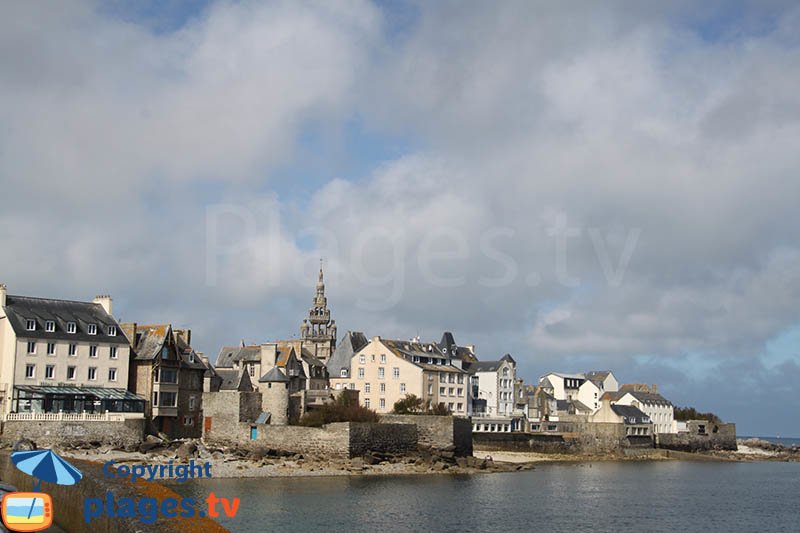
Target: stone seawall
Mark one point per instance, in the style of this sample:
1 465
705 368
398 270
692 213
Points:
397 439
68 501
439 431
584 438
64 432
713 437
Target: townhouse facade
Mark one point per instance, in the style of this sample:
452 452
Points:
647 399
63 356
169 374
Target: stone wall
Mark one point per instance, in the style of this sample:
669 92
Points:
385 438
331 441
439 431
52 432
227 415
712 437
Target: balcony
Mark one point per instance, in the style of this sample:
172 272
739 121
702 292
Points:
165 387
165 411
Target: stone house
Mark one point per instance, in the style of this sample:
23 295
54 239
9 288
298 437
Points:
637 423
63 356
170 374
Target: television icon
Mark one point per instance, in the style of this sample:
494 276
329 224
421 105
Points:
27 511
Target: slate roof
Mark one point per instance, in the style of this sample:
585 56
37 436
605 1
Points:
351 343
149 340
652 398
274 375
580 406
448 346
233 379
428 350
630 414
488 366
19 309
230 354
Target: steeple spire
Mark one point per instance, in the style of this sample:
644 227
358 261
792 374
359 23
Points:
318 330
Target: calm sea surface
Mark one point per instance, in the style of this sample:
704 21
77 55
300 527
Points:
607 496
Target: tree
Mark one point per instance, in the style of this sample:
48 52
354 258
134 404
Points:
690 413
410 405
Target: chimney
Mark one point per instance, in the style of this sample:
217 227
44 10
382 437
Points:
203 357
105 302
3 293
655 388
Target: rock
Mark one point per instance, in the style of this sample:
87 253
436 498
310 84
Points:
357 462
448 454
186 451
23 445
371 459
297 457
450 448
462 462
146 447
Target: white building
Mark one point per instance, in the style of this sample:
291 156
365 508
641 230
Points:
61 355
583 390
647 400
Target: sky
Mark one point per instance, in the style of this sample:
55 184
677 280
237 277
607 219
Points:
581 185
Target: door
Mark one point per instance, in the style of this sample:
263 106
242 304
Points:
253 432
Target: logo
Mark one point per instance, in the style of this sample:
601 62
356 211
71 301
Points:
27 511
33 511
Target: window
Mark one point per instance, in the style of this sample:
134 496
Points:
383 358
31 347
169 399
338 386
362 359
381 372
166 375
442 377
192 402
92 351
112 374
49 371
366 403
30 324
191 357
460 391
73 349
352 386
188 421
92 373
360 373
451 378
51 348
92 329
383 388
112 352
450 391
396 373
112 331
30 371
383 403
402 388
72 327
71 372
251 369
441 391
164 353
155 399
49 326
367 388
450 406
461 379
343 373
460 406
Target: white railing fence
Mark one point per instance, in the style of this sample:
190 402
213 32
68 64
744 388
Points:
72 417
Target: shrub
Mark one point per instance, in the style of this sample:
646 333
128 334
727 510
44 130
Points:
690 413
344 408
412 405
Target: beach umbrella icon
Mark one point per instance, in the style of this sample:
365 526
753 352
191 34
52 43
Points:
46 465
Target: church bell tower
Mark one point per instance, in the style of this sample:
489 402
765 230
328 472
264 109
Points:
318 331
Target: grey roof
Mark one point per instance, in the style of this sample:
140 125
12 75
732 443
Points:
648 397
19 309
580 406
631 414
351 343
233 379
273 376
263 418
562 405
149 340
231 354
483 366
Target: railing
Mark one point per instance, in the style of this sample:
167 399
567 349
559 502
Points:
72 417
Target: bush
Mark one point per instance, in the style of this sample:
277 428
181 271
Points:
690 413
344 408
412 405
